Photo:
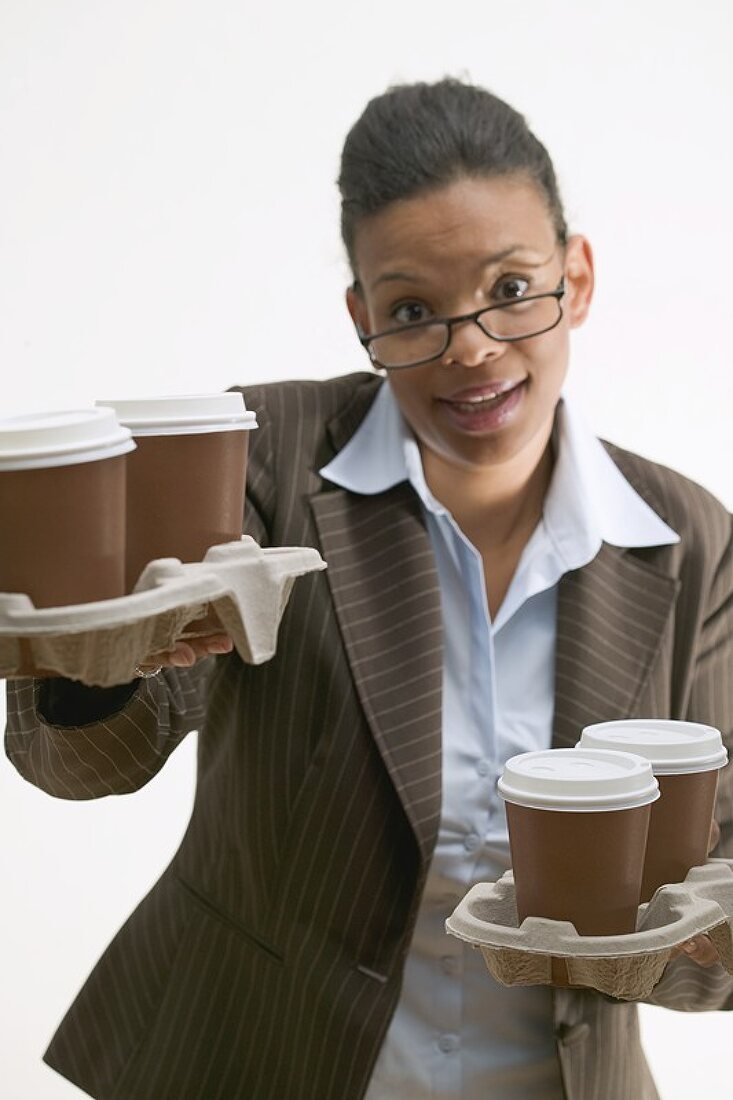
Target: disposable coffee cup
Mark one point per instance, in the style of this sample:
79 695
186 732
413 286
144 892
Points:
62 506
578 822
686 758
186 480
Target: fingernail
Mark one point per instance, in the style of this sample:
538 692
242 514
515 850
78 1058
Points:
220 647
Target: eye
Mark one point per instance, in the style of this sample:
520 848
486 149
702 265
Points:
510 288
408 313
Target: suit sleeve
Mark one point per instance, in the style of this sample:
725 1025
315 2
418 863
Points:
116 754
78 742
685 986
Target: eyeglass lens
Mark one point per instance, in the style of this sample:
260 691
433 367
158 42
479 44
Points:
515 321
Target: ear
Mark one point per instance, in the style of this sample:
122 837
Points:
357 308
579 279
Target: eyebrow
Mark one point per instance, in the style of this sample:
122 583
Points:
489 261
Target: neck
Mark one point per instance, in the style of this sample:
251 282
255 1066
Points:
499 504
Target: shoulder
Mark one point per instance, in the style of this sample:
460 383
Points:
309 402
300 424
698 517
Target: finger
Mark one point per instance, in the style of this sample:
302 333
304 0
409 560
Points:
183 655
217 643
701 950
210 644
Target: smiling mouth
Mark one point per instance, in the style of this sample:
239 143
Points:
482 401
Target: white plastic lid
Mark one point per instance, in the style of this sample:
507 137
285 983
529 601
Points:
185 415
578 780
67 438
672 748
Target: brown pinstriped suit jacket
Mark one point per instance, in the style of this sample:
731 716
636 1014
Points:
265 964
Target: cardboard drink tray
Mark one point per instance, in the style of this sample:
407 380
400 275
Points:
100 643
543 952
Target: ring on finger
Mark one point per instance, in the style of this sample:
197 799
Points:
147 674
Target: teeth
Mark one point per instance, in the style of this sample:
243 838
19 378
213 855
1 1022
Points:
476 402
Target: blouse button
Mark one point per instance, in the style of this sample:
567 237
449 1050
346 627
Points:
448 1043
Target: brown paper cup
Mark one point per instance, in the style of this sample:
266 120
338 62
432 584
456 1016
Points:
585 868
686 758
679 829
62 507
578 822
186 485
185 493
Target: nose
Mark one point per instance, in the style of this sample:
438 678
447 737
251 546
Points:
470 346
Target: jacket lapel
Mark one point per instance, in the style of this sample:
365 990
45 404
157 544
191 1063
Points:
388 609
612 616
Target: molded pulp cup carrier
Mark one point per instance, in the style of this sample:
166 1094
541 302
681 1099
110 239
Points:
186 481
62 506
686 758
578 822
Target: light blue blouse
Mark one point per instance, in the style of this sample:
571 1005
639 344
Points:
456 1032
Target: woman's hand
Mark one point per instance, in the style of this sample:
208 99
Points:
186 653
701 948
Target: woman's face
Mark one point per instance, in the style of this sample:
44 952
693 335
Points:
472 244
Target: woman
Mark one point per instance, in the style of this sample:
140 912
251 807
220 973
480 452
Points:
497 579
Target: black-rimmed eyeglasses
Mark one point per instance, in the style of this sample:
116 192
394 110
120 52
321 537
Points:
424 341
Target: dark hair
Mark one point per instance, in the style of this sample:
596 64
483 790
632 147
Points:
418 137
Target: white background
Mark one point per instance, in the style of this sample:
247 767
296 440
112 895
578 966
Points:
169 224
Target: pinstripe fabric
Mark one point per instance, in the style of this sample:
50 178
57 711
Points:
601 666
266 962
391 626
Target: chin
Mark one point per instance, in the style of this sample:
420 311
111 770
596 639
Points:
473 454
